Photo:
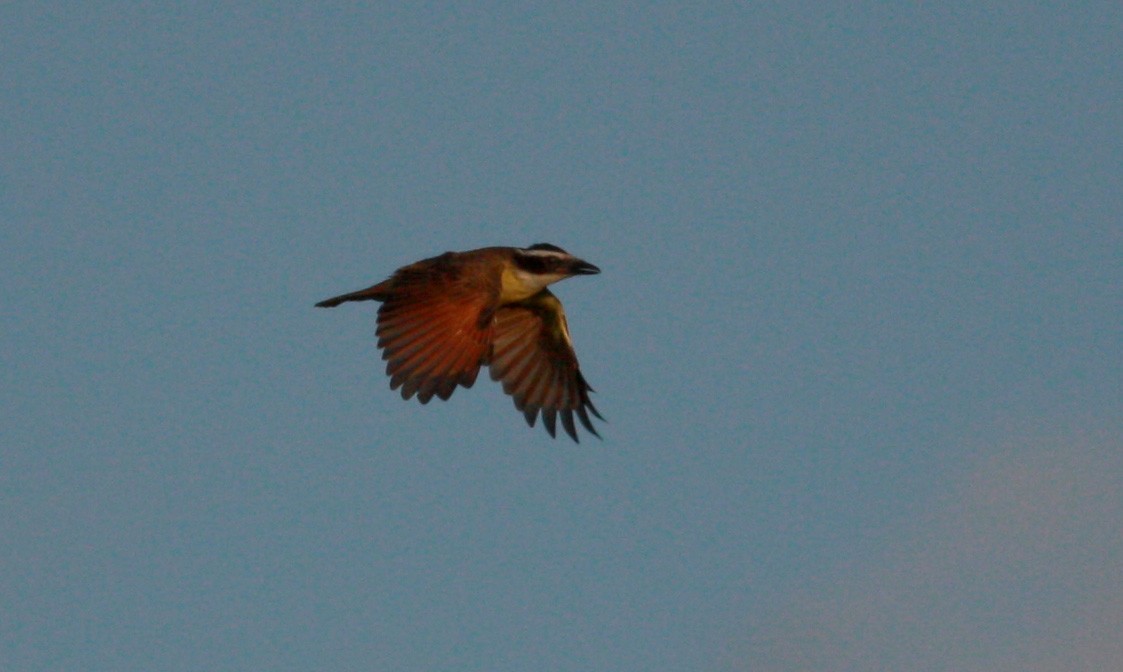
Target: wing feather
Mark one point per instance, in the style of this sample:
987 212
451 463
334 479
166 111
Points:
432 331
533 357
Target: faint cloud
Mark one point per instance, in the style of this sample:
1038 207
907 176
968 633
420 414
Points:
1019 567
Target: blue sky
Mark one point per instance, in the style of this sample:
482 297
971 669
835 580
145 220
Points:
858 337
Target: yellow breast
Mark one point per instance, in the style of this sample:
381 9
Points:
517 285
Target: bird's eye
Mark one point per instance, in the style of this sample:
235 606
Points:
534 264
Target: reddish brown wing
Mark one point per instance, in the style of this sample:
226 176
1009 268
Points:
434 329
533 355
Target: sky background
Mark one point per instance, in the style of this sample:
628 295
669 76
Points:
858 337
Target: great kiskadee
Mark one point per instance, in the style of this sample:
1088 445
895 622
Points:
443 318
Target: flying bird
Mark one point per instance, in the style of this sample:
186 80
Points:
443 318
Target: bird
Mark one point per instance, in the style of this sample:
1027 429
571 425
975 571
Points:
445 317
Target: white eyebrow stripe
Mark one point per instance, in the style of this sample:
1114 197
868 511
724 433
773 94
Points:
544 253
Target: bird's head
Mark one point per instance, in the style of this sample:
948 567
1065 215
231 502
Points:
546 259
533 268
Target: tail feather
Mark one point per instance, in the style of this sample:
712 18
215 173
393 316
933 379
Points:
374 293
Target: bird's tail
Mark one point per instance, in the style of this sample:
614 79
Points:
373 293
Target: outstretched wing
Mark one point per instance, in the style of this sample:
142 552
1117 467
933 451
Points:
434 329
533 356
